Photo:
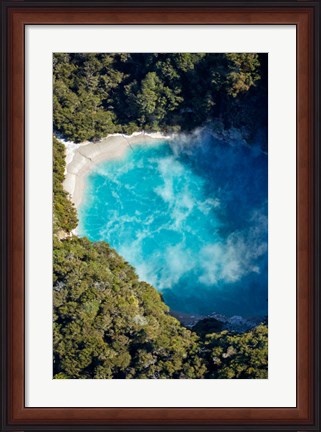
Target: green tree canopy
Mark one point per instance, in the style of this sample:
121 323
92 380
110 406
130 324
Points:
99 94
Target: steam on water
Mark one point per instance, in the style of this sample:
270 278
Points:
191 216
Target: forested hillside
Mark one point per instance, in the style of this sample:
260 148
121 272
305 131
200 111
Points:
98 94
109 324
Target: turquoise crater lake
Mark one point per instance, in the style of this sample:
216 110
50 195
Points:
190 215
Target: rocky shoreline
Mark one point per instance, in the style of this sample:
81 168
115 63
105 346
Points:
234 323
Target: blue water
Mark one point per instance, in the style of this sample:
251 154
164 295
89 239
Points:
191 217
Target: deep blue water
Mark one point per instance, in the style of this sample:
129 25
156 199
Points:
191 217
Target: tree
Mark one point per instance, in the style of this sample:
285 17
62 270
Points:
64 212
243 72
155 100
232 355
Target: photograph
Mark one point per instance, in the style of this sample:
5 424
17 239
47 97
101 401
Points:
160 215
160 211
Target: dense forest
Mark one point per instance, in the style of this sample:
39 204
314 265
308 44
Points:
108 323
98 94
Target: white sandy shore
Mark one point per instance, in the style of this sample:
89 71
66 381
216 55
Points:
82 158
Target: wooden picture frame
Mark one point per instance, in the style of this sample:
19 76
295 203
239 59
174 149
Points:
306 16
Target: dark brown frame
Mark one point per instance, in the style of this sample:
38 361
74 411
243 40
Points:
305 15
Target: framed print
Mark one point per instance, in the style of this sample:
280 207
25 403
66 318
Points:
160 242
